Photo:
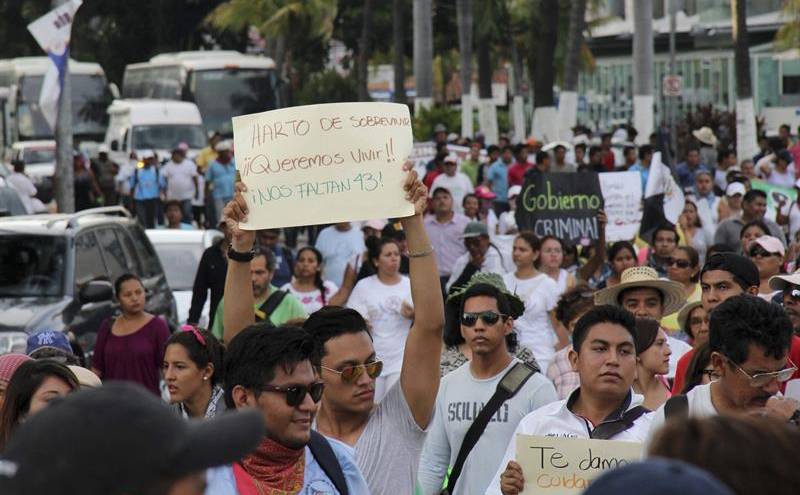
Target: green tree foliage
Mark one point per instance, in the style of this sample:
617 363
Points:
427 118
327 87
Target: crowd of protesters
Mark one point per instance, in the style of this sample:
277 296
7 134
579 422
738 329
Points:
403 356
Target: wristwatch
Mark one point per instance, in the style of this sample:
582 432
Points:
241 257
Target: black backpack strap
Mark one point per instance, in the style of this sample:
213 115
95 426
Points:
509 385
326 458
608 430
271 304
676 406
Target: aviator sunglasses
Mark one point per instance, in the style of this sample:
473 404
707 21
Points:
350 374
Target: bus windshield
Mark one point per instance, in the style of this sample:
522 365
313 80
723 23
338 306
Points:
90 99
225 93
166 136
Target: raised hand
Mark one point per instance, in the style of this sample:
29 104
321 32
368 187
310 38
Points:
416 192
236 211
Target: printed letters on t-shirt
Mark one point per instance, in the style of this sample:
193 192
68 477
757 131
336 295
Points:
469 410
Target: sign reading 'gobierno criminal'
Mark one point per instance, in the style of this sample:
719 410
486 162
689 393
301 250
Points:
326 163
567 466
561 205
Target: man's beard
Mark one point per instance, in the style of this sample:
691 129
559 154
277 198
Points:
259 290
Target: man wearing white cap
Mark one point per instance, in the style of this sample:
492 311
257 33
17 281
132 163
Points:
731 205
454 181
180 175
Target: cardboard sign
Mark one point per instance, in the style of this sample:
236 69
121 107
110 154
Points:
562 205
566 466
323 163
622 195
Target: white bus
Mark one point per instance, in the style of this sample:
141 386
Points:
223 84
20 84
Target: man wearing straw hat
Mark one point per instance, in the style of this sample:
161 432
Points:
641 292
708 145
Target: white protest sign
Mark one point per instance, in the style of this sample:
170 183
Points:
622 195
566 466
326 163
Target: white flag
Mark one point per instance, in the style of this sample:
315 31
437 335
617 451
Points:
53 31
660 181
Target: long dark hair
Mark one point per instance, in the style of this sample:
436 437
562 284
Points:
200 353
25 382
375 247
318 282
694 372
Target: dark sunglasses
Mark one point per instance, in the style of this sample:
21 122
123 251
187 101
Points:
759 251
296 394
678 263
488 317
350 374
793 293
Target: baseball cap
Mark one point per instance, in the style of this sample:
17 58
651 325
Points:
735 188
126 437
374 224
451 158
181 147
771 244
223 146
484 192
440 188
776 282
703 171
514 191
475 229
103 148
439 128
48 339
737 265
658 477
145 154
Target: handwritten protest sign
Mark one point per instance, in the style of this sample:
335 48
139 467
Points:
563 205
566 466
323 163
622 194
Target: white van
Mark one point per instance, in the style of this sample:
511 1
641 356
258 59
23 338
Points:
159 125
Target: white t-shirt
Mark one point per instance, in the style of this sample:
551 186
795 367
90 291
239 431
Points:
200 200
24 187
507 223
459 186
700 406
312 301
337 249
784 179
179 179
534 328
380 305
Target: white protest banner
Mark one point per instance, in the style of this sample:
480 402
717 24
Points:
326 163
566 466
622 195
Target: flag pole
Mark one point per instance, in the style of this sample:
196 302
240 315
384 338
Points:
65 179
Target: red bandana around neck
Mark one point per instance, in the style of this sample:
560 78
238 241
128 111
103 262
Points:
271 470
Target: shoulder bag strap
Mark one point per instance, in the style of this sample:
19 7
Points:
606 431
326 458
271 304
509 385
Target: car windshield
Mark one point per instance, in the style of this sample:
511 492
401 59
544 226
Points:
180 262
165 137
32 155
226 93
31 265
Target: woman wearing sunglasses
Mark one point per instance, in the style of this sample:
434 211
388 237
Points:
683 266
767 253
193 373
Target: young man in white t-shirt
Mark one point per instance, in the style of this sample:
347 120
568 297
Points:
603 407
749 340
456 182
486 322
180 179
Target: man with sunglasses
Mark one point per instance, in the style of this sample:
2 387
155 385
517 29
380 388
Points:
749 342
276 372
604 407
483 313
386 438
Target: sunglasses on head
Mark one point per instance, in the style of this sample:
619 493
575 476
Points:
488 317
296 394
350 374
759 251
678 263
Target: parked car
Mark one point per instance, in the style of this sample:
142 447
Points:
180 252
57 272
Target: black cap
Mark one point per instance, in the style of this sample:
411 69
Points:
119 438
743 269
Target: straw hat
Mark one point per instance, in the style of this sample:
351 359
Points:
705 135
644 276
684 313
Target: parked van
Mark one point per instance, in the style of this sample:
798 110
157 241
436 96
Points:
158 125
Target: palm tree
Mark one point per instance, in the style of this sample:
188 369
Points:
510 39
545 122
643 69
745 111
487 112
398 58
423 53
364 50
568 98
788 36
464 20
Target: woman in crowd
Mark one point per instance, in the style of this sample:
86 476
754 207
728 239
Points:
131 346
9 363
683 267
699 371
571 306
193 373
472 207
308 286
750 232
767 253
33 386
550 260
652 363
535 328
696 236
621 256
384 300
486 212
693 320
